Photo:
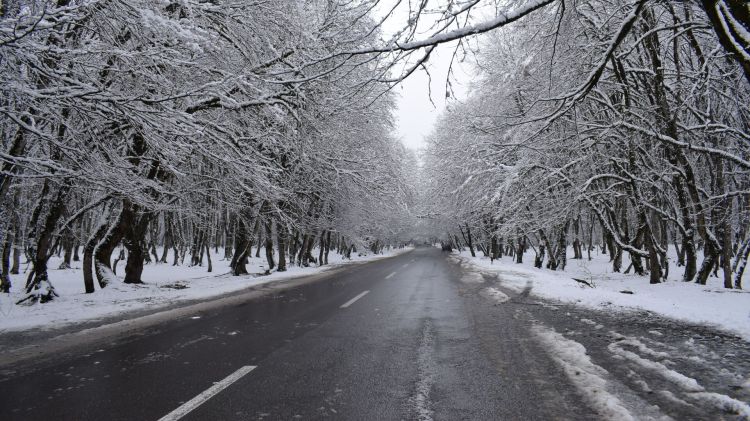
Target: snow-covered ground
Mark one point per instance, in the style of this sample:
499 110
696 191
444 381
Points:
164 285
652 378
709 304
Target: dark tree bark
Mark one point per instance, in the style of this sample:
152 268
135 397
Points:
120 256
493 248
653 260
88 258
577 246
726 22
742 257
308 252
710 259
67 246
16 267
130 227
5 283
328 247
167 240
8 170
723 212
152 246
134 242
239 260
107 245
281 237
208 257
302 257
228 238
562 244
38 285
293 247
519 251
269 243
468 240
321 246
539 259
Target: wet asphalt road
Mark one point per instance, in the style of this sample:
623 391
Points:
422 343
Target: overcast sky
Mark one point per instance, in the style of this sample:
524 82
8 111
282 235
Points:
416 114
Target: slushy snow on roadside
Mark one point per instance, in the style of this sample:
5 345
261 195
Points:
710 304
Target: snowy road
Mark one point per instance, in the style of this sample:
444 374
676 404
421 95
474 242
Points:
416 336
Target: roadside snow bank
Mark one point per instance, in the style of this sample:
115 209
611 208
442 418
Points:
164 285
589 378
704 304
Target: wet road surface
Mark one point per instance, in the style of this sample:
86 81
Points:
416 337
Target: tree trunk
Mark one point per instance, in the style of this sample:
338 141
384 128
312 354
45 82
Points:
308 253
120 256
562 246
680 251
269 243
258 236
67 246
328 247
520 249
742 257
281 237
88 257
710 258
228 241
208 258
5 283
17 247
239 259
653 260
103 253
135 242
167 240
302 256
152 244
322 246
469 241
539 259
39 288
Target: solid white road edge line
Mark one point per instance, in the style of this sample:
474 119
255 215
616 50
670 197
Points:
390 276
350 302
199 400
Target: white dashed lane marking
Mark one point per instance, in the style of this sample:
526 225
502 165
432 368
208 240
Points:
207 394
350 302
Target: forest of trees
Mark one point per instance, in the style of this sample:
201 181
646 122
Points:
623 127
176 127
190 126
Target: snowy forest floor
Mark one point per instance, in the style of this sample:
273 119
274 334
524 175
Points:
710 304
164 286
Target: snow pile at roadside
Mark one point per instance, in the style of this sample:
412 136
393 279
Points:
164 285
705 304
613 399
590 379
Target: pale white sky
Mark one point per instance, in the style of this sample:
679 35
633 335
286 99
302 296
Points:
416 114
